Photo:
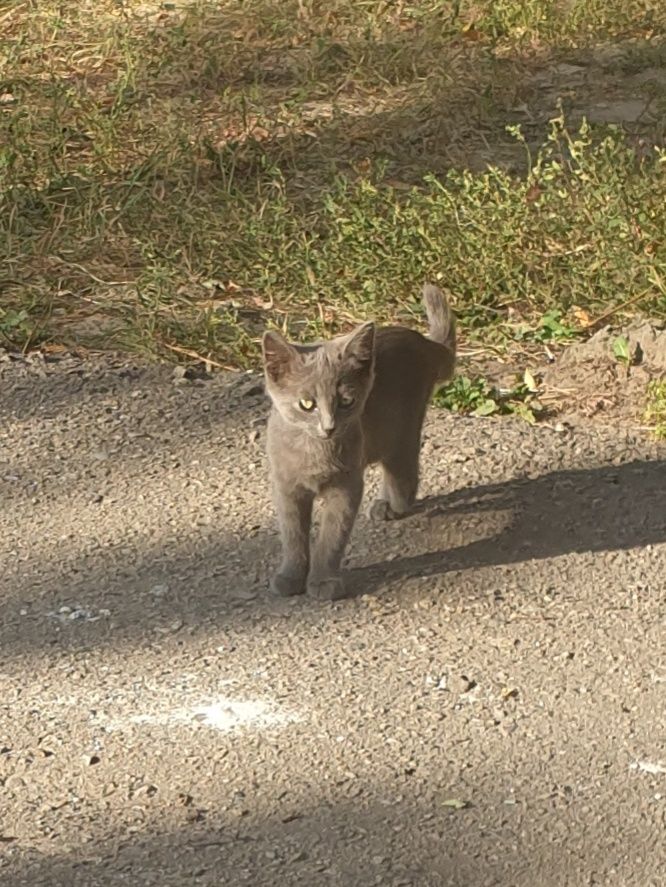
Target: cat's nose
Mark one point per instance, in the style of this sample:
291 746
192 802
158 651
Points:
327 430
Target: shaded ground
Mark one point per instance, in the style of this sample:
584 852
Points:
487 709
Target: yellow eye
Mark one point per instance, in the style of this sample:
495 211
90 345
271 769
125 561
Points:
306 404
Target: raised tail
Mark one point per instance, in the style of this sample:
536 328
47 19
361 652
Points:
441 319
442 322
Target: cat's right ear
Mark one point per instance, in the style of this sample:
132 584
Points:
360 346
279 355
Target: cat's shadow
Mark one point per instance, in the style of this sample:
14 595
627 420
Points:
570 511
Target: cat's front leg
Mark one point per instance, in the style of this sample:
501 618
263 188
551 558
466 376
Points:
341 501
294 510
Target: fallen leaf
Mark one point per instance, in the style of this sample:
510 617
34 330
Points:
533 193
581 315
621 349
529 380
455 803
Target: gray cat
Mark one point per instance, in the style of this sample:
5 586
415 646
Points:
338 406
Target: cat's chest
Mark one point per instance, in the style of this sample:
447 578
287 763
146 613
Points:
301 459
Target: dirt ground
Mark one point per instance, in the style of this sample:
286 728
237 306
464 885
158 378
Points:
487 709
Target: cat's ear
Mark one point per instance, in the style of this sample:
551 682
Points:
279 355
360 346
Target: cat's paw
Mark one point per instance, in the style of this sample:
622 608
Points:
330 588
287 585
380 509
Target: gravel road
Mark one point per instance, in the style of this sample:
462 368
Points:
487 709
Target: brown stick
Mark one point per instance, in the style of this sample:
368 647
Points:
614 310
193 354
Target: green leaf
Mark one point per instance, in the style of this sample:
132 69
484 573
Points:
621 350
525 412
11 319
485 408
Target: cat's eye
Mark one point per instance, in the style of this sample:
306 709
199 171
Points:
305 403
346 400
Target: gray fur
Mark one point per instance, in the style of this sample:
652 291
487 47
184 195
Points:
370 389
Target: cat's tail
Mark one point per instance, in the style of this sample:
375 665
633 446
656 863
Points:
442 322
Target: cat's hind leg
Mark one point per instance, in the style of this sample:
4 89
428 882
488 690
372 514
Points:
400 482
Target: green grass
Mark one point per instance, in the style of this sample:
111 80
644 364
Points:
477 397
655 410
185 174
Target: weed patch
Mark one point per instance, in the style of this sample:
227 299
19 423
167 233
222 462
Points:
477 397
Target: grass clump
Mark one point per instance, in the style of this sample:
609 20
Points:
655 410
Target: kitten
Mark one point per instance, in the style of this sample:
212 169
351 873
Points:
338 406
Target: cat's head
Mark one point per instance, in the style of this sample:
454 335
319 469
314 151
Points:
320 388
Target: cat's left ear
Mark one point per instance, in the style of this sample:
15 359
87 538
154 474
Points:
360 345
279 355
